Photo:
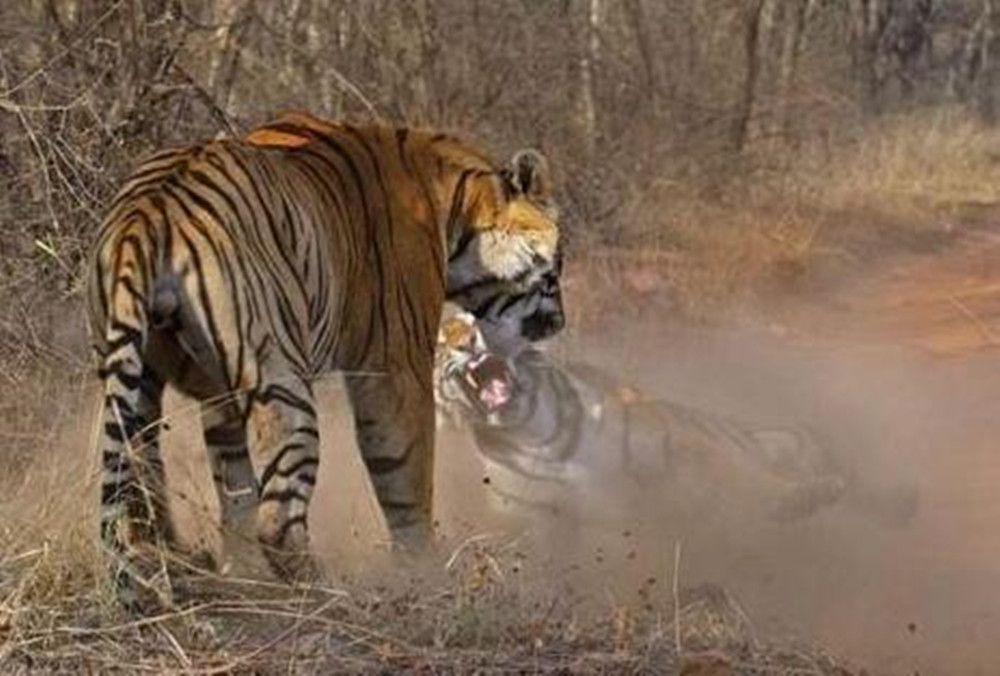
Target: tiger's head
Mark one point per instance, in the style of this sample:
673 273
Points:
505 261
470 381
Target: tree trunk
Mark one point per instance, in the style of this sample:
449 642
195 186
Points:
791 51
760 25
588 64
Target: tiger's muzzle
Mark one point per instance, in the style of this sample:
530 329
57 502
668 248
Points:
549 318
545 322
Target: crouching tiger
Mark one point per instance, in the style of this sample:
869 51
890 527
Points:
237 270
547 434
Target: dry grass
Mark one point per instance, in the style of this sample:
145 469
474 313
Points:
932 163
478 607
700 248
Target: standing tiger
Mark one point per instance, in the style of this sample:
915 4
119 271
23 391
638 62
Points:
238 270
552 435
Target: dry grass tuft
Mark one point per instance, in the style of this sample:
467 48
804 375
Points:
937 163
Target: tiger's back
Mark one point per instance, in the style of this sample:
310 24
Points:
306 248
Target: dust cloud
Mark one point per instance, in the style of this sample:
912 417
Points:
898 575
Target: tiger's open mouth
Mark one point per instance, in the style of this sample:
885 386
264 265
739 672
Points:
487 382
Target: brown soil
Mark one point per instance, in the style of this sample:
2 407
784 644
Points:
916 349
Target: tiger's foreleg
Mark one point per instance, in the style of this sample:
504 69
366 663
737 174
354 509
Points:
394 420
284 437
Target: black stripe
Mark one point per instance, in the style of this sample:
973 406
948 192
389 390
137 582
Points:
400 505
384 465
401 135
374 228
150 386
507 303
307 430
365 422
129 381
118 325
231 454
114 493
264 205
457 202
278 392
290 128
118 433
225 263
114 367
285 495
272 466
214 334
124 407
225 435
471 287
296 466
262 255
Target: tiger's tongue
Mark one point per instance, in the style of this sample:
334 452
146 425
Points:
494 388
494 393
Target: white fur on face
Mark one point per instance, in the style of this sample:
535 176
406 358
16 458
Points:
507 254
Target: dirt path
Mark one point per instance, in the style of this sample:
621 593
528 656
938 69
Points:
915 347
943 313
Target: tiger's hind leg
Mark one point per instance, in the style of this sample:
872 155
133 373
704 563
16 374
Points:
284 439
136 527
394 422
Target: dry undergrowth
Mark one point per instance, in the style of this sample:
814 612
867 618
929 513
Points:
479 609
481 605
698 249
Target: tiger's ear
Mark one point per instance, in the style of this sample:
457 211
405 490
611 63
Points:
528 174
